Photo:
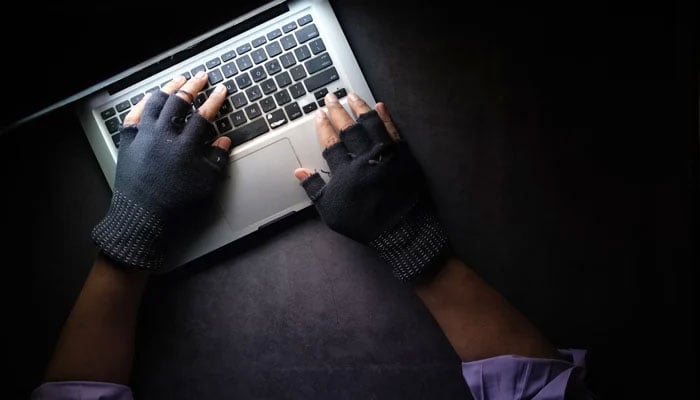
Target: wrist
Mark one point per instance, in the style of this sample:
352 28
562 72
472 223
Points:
131 235
416 247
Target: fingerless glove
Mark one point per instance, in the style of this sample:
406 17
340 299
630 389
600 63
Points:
163 165
377 195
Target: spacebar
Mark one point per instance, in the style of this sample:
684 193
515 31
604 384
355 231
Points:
248 131
321 79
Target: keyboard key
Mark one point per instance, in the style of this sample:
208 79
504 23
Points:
115 139
268 86
238 118
106 114
215 77
228 56
239 100
113 125
243 49
289 27
297 90
302 53
287 60
304 20
187 75
267 104
197 69
123 106
248 132
244 63
257 42
223 125
258 56
199 100
243 80
321 79
153 89
276 119
320 93
309 107
318 63
283 79
225 108
253 111
321 102
306 33
122 116
136 98
282 97
213 63
273 49
274 34
258 73
293 111
229 69
298 72
253 93
230 87
340 93
273 67
288 42
317 46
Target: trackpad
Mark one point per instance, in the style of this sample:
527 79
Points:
261 187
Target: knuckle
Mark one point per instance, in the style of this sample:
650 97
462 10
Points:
331 140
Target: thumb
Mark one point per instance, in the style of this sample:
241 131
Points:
311 181
302 173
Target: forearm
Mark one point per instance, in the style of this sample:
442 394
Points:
97 340
477 320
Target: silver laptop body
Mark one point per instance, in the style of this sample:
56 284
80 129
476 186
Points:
260 187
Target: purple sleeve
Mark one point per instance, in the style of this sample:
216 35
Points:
516 377
84 390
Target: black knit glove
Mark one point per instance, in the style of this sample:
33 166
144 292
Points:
377 196
163 166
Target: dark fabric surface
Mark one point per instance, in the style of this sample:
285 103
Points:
561 148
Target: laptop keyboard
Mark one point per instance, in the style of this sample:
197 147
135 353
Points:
264 78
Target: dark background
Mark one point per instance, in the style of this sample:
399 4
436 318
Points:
562 151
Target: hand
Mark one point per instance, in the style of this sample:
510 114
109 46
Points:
376 193
163 166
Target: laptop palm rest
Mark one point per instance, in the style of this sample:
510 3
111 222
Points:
262 187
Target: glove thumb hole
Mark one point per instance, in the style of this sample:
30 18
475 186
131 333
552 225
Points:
313 184
217 158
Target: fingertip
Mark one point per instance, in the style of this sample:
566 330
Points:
221 90
383 112
302 173
224 142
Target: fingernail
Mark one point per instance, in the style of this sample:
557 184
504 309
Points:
320 115
353 96
200 74
220 89
330 98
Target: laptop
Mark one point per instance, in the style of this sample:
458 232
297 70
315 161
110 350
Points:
277 60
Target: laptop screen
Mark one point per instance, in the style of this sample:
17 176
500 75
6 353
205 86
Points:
55 52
